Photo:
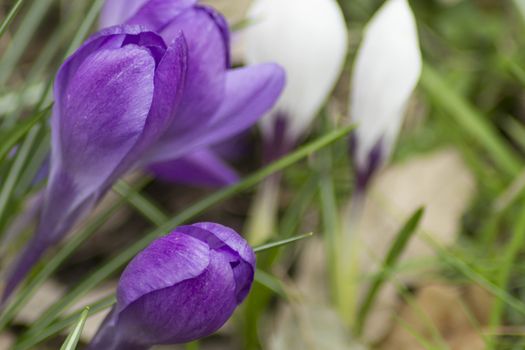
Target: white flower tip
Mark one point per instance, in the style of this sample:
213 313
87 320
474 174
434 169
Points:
309 39
386 71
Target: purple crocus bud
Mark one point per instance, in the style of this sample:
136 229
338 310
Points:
183 287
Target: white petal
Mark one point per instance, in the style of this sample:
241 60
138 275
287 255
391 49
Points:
309 39
386 71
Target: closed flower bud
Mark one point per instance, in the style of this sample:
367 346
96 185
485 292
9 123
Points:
309 39
183 287
137 95
386 71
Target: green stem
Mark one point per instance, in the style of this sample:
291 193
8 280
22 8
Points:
503 277
472 122
10 16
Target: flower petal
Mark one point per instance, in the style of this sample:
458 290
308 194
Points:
250 92
242 256
167 261
207 63
386 71
169 86
309 39
157 14
102 116
216 235
200 168
203 304
117 12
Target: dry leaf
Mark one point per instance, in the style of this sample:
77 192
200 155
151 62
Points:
439 314
439 181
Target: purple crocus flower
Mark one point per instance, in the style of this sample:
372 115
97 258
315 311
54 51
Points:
128 99
183 287
203 167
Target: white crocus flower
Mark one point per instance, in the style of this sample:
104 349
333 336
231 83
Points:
309 39
386 71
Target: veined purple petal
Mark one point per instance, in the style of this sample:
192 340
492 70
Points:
225 234
167 261
207 63
250 92
202 167
103 114
201 306
157 14
169 86
117 12
242 257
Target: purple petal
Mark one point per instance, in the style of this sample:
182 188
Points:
200 168
218 237
169 86
157 14
103 114
187 311
226 235
250 92
167 261
207 64
117 12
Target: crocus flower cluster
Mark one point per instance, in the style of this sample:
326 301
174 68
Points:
386 71
150 91
183 287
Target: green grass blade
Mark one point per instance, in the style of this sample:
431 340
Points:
145 206
462 267
510 254
10 16
62 324
73 338
395 251
22 37
85 26
282 242
270 282
472 122
15 171
127 254
20 131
